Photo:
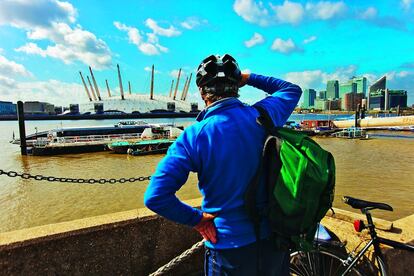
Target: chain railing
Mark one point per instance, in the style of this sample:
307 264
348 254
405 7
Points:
40 177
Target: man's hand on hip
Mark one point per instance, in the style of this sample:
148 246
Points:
206 228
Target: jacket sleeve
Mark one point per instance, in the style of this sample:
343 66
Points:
171 173
283 98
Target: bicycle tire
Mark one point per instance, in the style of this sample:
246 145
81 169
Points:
320 262
382 267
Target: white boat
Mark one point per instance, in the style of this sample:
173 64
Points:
351 133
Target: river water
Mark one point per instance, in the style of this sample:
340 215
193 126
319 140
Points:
380 169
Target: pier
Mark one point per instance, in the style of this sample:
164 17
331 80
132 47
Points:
138 242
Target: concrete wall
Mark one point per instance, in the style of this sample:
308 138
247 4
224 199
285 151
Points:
137 242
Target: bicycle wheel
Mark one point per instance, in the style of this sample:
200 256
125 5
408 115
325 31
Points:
320 262
382 269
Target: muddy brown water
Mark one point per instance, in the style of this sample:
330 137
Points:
379 169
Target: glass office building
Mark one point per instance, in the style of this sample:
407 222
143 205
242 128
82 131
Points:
309 96
332 90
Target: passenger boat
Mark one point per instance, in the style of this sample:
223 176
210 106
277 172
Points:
351 133
141 147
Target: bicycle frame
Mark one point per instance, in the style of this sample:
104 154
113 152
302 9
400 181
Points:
375 241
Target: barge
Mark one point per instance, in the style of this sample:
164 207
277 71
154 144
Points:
91 139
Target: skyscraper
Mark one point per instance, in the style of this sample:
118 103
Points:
361 83
332 89
349 87
322 95
375 100
309 96
379 84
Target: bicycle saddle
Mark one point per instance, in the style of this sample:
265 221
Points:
361 204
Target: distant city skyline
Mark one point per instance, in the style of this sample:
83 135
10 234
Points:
45 43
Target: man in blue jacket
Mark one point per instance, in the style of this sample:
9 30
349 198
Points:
224 148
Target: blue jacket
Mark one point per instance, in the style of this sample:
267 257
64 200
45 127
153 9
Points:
224 148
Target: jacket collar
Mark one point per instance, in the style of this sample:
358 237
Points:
217 106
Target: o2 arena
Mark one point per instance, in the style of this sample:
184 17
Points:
134 103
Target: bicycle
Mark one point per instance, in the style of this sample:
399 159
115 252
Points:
329 256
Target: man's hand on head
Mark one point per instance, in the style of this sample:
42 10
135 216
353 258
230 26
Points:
206 228
245 78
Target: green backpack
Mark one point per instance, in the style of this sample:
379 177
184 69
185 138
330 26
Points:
300 179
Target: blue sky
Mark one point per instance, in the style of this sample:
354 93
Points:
44 43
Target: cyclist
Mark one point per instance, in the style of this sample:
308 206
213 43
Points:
224 148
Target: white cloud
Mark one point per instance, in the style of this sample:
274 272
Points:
133 33
49 20
27 13
325 10
149 47
255 40
168 32
284 46
52 91
7 82
407 4
289 12
252 12
71 44
317 78
11 68
369 13
310 39
192 22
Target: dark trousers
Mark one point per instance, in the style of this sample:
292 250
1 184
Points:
243 260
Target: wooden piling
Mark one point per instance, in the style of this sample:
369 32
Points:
152 83
22 128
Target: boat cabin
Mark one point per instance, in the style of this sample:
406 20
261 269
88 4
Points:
317 124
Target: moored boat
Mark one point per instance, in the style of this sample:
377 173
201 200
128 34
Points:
151 141
351 133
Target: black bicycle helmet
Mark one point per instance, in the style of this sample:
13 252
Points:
218 74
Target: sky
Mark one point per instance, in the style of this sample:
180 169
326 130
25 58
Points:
45 43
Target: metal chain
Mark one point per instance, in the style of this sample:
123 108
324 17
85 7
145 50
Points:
39 177
178 260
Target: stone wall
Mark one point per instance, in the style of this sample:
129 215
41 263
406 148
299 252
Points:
137 242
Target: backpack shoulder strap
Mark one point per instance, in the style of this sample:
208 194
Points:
264 119
267 164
